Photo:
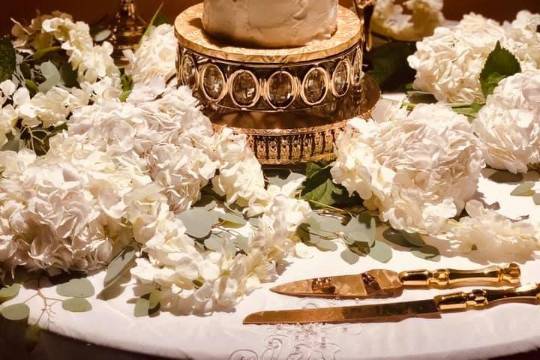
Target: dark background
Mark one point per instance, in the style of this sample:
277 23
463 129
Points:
93 10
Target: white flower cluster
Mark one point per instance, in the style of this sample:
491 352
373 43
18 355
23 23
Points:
193 281
93 63
407 21
450 62
124 170
155 58
63 211
487 235
418 170
509 123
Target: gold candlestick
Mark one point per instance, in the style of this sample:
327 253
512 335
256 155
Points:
127 30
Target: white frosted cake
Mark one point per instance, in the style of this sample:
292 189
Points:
270 23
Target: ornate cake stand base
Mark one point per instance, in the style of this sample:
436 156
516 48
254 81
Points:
291 138
292 103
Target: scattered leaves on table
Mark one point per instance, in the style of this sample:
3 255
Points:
9 292
120 265
199 221
525 189
76 288
499 65
142 307
76 305
15 312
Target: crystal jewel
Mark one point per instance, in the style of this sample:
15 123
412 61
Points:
358 71
188 71
244 88
340 78
213 82
315 86
281 89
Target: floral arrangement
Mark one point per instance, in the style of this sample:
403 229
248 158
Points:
119 168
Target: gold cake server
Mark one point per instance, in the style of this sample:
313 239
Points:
387 283
475 300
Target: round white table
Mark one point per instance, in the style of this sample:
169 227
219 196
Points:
502 330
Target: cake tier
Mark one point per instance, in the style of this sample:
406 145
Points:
270 23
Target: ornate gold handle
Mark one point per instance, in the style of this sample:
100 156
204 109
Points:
483 298
365 10
447 278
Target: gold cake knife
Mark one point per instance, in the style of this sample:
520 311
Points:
386 283
432 308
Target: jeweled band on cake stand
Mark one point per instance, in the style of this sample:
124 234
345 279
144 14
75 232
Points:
291 103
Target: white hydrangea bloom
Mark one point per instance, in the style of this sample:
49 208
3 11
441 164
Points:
509 123
91 62
62 211
408 21
48 109
418 171
449 63
155 58
240 176
200 282
489 236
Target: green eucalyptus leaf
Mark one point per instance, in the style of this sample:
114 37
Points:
9 292
31 86
325 225
427 252
536 198
525 189
360 248
362 228
230 219
43 52
127 87
325 245
319 189
142 307
389 65
395 237
8 59
214 243
15 312
499 65
199 222
52 76
471 111
381 252
120 265
77 305
76 288
414 239
154 300
350 257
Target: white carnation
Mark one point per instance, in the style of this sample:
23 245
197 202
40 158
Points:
408 21
509 123
449 63
418 171
489 236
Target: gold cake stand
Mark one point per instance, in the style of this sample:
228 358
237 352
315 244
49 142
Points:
291 103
